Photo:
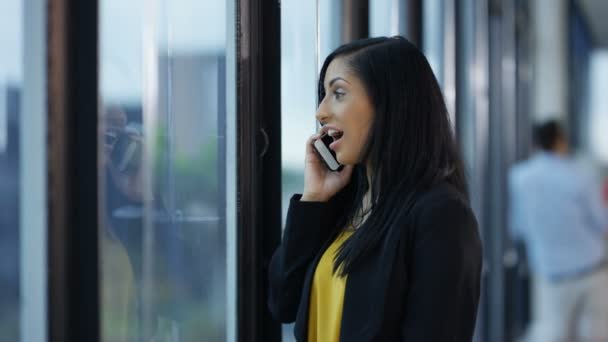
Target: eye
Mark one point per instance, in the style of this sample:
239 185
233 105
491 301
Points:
339 94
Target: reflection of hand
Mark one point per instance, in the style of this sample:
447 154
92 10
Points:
131 185
118 132
115 123
110 137
128 181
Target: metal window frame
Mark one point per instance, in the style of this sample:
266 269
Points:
355 20
473 124
258 125
73 258
414 22
490 120
578 69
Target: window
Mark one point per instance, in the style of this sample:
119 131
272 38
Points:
11 88
23 171
310 30
164 240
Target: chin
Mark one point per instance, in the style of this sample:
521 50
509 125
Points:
344 160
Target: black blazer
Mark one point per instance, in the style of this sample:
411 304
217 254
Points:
422 284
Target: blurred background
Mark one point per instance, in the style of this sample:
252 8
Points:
189 93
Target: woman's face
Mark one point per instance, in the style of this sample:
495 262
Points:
346 111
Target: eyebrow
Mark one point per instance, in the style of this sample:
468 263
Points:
336 79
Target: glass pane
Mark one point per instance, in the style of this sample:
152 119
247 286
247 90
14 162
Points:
298 100
433 35
304 46
598 122
387 18
163 242
11 87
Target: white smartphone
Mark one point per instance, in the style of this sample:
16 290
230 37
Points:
327 155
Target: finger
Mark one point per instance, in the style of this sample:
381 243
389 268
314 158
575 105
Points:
310 153
309 143
312 138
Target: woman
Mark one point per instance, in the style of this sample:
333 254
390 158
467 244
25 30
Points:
387 249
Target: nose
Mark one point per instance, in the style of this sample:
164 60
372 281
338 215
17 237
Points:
322 116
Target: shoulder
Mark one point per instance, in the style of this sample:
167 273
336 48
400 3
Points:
444 197
443 212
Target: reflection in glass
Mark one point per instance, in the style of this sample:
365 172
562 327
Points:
163 239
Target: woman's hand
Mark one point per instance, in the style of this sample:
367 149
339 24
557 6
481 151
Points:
320 183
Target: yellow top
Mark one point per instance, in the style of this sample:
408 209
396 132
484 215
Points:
326 297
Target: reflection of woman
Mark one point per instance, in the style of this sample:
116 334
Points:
118 291
386 249
118 281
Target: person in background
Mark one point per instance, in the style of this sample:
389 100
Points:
557 211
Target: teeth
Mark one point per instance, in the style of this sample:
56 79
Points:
333 132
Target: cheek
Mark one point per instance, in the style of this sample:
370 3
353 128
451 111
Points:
360 137
361 129
353 146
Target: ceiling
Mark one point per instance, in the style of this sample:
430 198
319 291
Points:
596 12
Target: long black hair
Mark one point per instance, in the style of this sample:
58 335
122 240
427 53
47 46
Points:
411 146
